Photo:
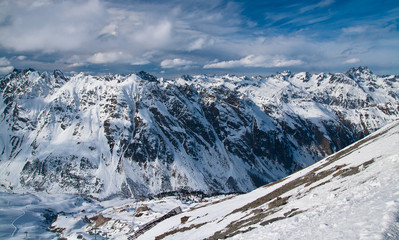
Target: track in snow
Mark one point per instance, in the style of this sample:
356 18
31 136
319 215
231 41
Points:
13 223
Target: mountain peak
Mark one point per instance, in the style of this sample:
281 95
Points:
186 77
146 76
355 73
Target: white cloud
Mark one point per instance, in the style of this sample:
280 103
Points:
5 70
21 58
115 57
321 4
4 61
74 61
256 61
352 60
175 63
105 57
197 44
139 61
90 26
152 35
109 30
50 27
5 66
286 63
325 3
355 29
76 64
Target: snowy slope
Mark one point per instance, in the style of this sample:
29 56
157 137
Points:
137 135
32 214
352 194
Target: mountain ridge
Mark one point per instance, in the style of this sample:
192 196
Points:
323 200
138 135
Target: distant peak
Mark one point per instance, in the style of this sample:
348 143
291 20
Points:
23 71
361 69
286 73
187 77
58 73
146 76
19 72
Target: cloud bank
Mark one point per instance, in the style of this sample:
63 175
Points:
172 36
5 66
255 61
175 63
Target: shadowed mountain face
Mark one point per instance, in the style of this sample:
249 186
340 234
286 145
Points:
137 135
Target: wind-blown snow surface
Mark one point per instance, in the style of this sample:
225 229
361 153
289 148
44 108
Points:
137 135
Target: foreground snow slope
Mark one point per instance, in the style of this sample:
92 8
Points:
353 194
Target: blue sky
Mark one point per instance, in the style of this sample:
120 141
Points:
168 38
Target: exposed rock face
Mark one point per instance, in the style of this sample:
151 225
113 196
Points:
139 135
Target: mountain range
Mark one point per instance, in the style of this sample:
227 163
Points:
352 194
139 135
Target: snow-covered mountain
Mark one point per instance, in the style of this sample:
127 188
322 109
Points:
352 194
138 135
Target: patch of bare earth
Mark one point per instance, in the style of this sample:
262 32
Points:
174 231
